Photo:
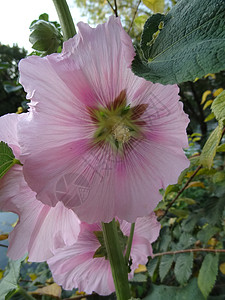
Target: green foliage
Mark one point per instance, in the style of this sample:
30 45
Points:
7 159
165 265
172 44
11 93
208 273
210 147
218 106
162 292
8 284
45 36
183 267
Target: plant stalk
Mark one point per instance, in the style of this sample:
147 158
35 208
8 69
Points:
117 261
65 19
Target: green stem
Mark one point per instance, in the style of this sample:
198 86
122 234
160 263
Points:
24 293
117 262
129 243
65 19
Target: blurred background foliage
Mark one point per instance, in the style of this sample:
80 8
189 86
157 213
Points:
189 256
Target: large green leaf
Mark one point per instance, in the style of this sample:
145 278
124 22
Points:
186 43
183 267
8 283
7 159
208 273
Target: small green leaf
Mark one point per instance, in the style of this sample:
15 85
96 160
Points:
206 233
170 189
8 283
210 147
152 266
45 37
11 88
190 44
221 148
208 273
165 265
101 251
7 159
189 201
218 106
183 267
209 117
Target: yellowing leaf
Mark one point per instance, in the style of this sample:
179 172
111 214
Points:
217 92
209 117
157 6
1 273
3 236
33 276
222 268
205 95
221 148
208 103
141 268
51 290
19 110
196 184
211 75
189 201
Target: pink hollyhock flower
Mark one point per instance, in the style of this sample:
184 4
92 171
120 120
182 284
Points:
98 138
75 267
41 228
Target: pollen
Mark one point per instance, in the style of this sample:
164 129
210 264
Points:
121 133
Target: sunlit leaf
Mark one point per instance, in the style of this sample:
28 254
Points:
7 159
210 147
222 268
205 95
196 184
218 106
217 92
221 148
141 268
207 104
52 290
209 117
157 6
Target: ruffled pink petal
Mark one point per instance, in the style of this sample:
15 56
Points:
75 267
8 133
61 165
41 229
145 233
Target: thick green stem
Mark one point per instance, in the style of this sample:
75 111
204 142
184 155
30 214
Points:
117 262
129 243
65 19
